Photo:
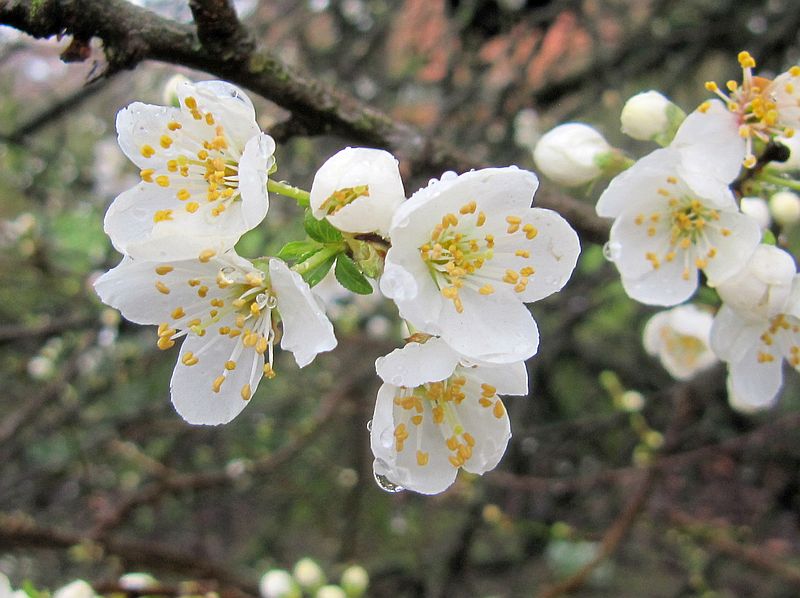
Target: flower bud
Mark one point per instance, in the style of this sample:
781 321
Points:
355 581
785 207
76 589
569 153
763 286
649 116
170 92
330 592
278 583
680 338
309 574
358 190
757 209
137 582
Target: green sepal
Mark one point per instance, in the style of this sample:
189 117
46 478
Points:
298 250
320 230
30 589
318 272
350 277
768 238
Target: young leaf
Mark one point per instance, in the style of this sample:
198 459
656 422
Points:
298 250
350 277
317 273
320 230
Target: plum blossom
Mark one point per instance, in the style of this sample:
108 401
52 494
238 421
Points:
755 347
468 251
675 214
358 190
228 310
785 208
680 338
203 168
436 414
647 116
764 108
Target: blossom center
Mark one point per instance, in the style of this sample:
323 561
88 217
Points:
203 167
780 339
343 197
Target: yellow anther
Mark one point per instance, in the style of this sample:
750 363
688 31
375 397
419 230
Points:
726 232
468 438
670 256
703 108
469 208
191 103
202 154
499 409
162 180
192 207
178 313
486 289
639 220
527 271
530 231
685 243
255 309
416 420
217 383
700 263
262 345
206 255
173 125
230 365
165 141
189 358
732 85
685 274
795 71
711 86
224 329
202 291
162 215
162 270
162 288
481 220
438 414
485 402
672 180
651 231
165 343
193 323
749 161
209 118
522 253
268 371
148 151
217 302
183 194
511 277
488 390
452 443
746 60
172 165
147 175
454 461
422 458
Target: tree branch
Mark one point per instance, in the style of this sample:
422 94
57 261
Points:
131 34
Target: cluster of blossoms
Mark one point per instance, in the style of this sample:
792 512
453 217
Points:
698 205
460 258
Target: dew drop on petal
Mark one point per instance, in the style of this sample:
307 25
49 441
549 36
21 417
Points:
611 251
386 485
369 426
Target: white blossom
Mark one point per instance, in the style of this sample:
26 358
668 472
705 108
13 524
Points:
754 347
204 168
355 580
278 583
680 338
226 309
358 190
785 207
468 251
675 214
436 414
75 589
309 574
568 154
762 287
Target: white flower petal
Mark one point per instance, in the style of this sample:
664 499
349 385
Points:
508 379
639 184
230 106
491 433
495 328
418 363
753 382
306 329
402 467
191 386
734 249
141 124
733 334
256 161
665 286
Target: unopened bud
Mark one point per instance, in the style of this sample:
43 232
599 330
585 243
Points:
649 116
355 581
76 589
785 207
170 93
569 154
330 592
277 583
309 574
757 209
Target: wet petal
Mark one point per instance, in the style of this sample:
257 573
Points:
418 363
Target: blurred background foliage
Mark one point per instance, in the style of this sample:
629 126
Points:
100 476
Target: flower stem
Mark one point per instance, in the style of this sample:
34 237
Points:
318 258
301 196
768 177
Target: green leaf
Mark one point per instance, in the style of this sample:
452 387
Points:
350 277
317 273
30 589
298 250
320 230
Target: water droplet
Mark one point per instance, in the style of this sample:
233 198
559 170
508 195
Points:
228 270
272 302
387 485
611 251
369 426
397 380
